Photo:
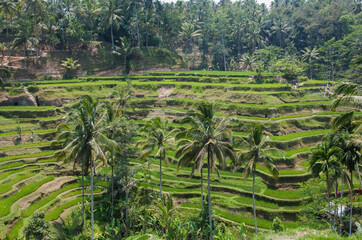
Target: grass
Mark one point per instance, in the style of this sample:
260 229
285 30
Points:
15 229
283 194
16 171
282 172
29 145
5 204
5 187
11 165
26 108
299 135
205 73
302 233
38 132
55 213
31 155
30 210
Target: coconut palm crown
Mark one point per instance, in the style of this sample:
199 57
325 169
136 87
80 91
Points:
207 137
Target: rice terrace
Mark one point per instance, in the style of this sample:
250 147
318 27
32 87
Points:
150 120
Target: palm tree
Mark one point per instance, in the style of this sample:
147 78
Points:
207 137
255 36
112 16
70 66
348 94
125 49
189 34
134 6
83 140
280 28
25 39
4 74
198 163
247 61
348 132
35 6
308 55
121 97
257 153
9 8
158 135
90 10
164 210
324 160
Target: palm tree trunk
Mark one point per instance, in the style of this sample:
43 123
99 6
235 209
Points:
92 202
127 206
350 217
149 174
161 174
335 205
193 64
208 187
223 51
125 61
112 192
112 36
7 35
329 202
202 192
341 221
138 31
25 56
359 175
254 210
239 46
82 195
310 70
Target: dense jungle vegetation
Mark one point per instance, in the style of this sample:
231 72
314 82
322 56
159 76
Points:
319 37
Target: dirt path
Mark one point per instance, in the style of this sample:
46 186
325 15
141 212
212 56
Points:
31 97
164 92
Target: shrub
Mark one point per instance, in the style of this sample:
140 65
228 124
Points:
15 91
33 88
277 225
37 228
291 69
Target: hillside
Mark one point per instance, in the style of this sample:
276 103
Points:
32 180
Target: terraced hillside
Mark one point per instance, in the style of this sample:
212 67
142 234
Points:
31 180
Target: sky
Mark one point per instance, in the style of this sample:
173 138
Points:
267 2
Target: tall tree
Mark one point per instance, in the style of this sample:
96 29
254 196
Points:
324 160
84 140
4 74
309 55
112 16
9 8
280 28
37 7
207 137
158 135
348 94
121 97
257 153
125 50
